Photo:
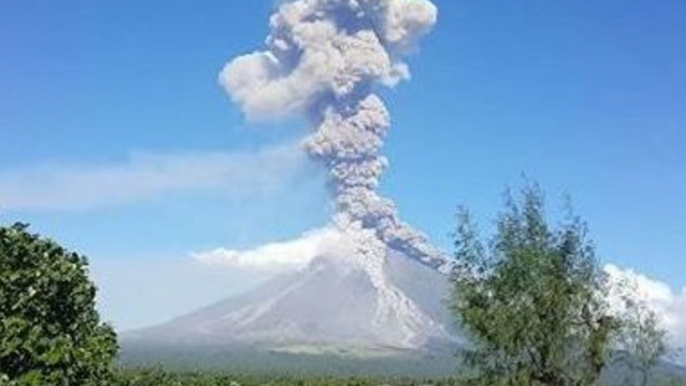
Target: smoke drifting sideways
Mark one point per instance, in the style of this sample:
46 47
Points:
324 59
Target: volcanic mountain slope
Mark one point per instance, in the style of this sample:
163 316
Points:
395 304
346 316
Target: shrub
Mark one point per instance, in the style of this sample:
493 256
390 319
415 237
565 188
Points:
50 331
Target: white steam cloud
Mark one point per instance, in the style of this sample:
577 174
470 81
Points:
669 305
275 257
323 60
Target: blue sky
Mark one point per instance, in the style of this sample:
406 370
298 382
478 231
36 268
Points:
585 97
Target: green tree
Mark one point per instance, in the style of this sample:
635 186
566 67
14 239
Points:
533 300
50 332
642 342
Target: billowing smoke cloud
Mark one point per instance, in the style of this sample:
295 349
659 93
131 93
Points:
324 58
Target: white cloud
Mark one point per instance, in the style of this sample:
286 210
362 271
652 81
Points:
147 176
281 256
667 303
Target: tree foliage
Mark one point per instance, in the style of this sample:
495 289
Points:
532 298
642 341
50 332
160 377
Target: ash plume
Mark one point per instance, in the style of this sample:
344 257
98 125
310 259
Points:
324 59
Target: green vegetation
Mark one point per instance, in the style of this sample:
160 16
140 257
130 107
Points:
253 360
50 332
158 377
642 343
533 300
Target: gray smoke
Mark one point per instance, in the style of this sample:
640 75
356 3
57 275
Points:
323 60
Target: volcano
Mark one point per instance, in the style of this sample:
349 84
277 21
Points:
397 304
382 288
